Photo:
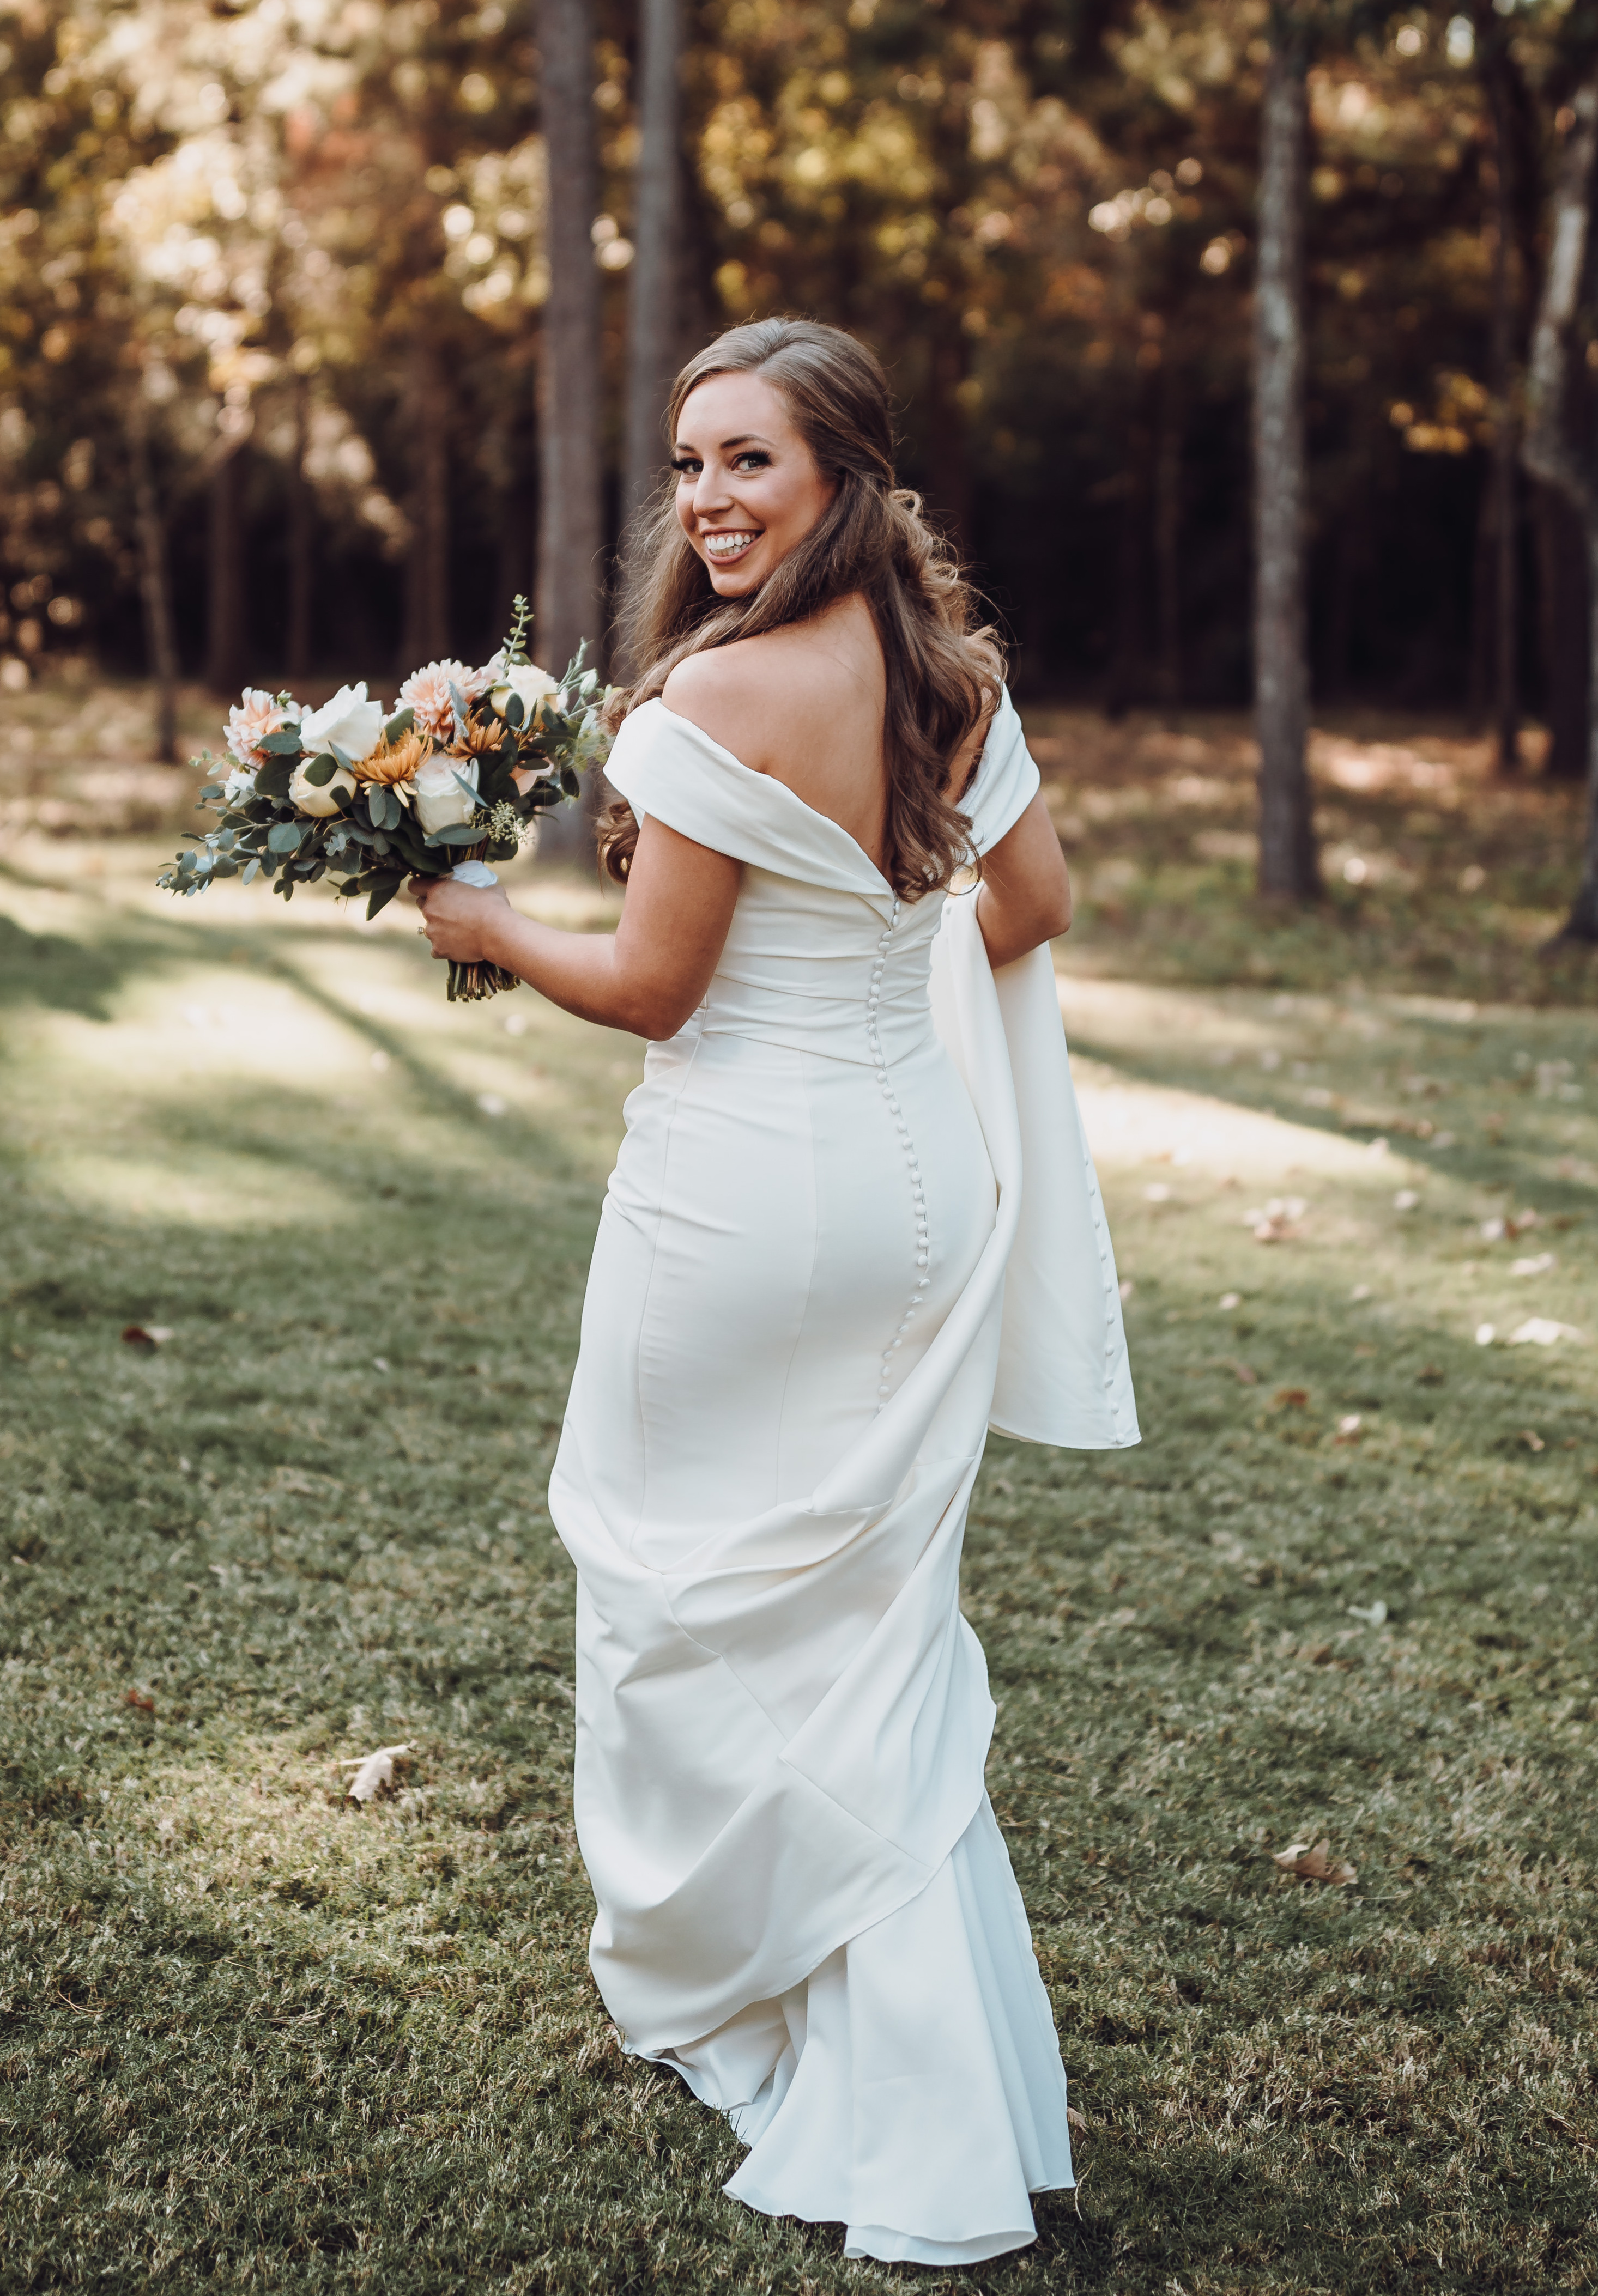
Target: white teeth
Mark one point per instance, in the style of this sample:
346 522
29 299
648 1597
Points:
727 545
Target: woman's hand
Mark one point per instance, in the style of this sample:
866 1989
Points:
460 921
646 977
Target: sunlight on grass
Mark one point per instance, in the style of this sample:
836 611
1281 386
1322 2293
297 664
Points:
250 2035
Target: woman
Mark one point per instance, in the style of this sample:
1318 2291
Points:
798 1324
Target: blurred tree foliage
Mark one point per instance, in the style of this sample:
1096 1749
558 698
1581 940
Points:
293 253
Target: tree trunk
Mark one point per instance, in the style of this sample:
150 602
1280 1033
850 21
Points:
155 586
1506 537
1558 430
654 331
570 581
1167 528
1562 622
427 562
1484 568
225 646
948 455
1582 923
302 541
1288 862
1129 650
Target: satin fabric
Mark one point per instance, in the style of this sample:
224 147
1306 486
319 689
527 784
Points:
818 1279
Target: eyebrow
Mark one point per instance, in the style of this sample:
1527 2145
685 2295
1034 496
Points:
744 439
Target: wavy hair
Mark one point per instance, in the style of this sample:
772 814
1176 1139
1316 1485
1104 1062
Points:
943 670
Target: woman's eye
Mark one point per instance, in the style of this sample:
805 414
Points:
685 466
755 461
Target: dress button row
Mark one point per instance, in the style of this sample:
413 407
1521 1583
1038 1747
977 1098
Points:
896 1109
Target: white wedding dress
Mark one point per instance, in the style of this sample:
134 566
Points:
799 1326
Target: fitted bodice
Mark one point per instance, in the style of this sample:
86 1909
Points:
821 954
824 971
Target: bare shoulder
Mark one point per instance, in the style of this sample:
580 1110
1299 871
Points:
724 690
771 699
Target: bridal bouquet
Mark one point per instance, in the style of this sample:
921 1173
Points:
454 779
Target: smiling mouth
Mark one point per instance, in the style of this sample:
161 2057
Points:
723 549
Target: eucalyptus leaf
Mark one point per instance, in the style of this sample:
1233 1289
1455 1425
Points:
461 832
283 743
321 770
272 780
380 899
400 723
284 837
251 869
515 710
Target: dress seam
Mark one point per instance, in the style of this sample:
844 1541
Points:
638 1362
815 1249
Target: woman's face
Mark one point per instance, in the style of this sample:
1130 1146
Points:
748 487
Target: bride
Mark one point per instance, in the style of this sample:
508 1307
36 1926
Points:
818 1281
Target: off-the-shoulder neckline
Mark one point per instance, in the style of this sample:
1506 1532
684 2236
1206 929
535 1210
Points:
771 780
814 812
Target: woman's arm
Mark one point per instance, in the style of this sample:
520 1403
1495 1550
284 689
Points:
646 978
1024 896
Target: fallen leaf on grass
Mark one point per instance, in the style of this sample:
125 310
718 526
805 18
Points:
1486 1333
1276 1221
1230 1299
1374 1615
374 1773
141 1699
1429 1375
147 1337
1538 1264
1512 1224
1540 1332
1316 1865
1075 2120
1291 1398
1405 1200
1532 1439
1348 1427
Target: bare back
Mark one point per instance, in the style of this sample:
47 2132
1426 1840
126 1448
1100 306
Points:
805 705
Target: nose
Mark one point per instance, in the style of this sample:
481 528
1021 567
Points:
710 491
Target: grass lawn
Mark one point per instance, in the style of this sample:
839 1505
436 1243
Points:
254 2037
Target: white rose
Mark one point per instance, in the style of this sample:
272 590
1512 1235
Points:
239 786
532 684
439 799
349 719
320 802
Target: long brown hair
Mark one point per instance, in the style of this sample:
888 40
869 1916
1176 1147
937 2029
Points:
942 671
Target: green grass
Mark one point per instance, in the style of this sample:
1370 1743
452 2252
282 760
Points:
253 2038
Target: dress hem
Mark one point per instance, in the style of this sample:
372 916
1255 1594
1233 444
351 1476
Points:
887 2245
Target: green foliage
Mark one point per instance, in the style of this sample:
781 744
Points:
1043 220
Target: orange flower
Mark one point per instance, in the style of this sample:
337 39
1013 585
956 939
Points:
478 739
394 761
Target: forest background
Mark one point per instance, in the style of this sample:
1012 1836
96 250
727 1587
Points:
326 327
